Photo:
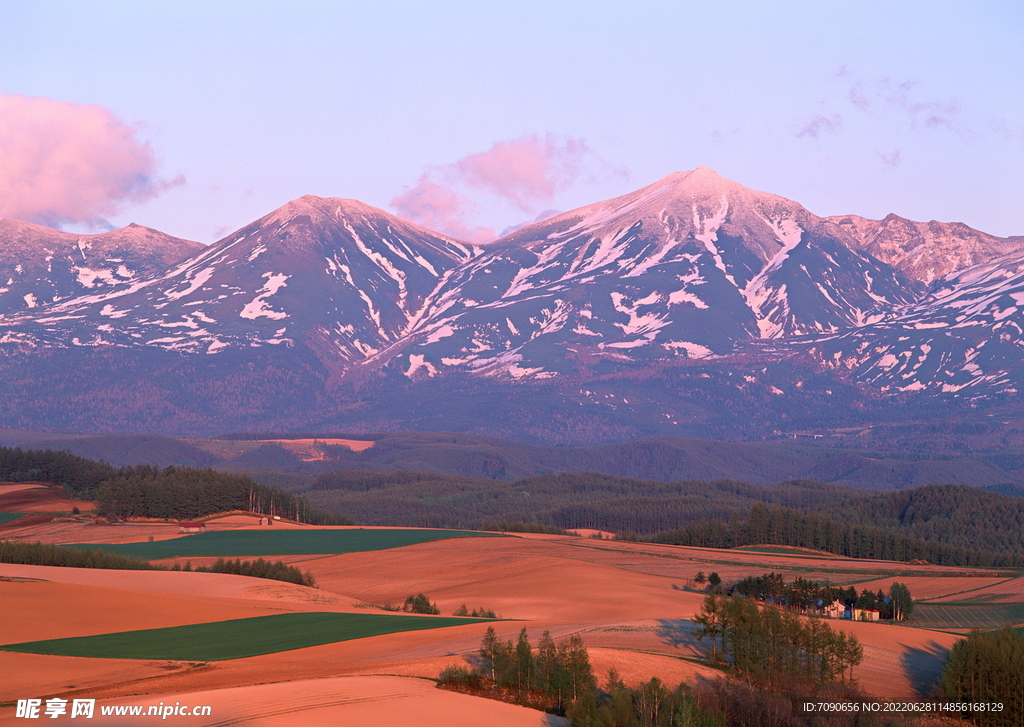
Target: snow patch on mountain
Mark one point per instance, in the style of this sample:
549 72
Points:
258 306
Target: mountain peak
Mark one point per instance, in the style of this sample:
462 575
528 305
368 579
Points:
706 176
702 181
312 204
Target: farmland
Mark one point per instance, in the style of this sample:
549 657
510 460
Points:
262 542
187 633
967 616
235 639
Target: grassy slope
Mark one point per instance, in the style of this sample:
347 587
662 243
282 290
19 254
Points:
236 543
235 639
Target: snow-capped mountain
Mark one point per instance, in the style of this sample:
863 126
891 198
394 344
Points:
687 266
40 265
339 275
691 294
966 335
925 251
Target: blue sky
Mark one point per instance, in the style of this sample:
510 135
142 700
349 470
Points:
865 108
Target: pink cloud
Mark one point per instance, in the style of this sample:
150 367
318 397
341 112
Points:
902 97
890 160
527 173
64 162
820 124
440 208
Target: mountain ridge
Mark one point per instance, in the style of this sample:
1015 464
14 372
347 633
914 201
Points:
332 312
40 265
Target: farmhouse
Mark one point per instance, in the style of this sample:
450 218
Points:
191 527
865 614
836 609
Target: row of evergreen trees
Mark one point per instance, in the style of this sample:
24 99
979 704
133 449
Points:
650 704
259 568
987 668
180 493
784 526
64 557
78 474
56 555
766 644
955 514
61 556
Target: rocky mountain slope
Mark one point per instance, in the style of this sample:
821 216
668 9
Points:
40 265
925 251
966 336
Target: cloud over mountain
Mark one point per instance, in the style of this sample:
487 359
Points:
525 173
64 162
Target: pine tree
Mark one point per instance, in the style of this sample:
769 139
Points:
525 667
488 651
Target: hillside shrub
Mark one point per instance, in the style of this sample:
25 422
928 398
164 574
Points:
420 604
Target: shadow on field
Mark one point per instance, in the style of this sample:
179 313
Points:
924 665
677 633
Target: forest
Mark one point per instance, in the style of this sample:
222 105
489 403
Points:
786 526
566 500
144 491
942 524
987 667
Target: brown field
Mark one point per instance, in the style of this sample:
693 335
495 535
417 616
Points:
365 700
945 587
15 487
1010 590
630 602
306 449
39 499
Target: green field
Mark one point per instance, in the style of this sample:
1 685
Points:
966 616
6 517
236 639
784 550
235 543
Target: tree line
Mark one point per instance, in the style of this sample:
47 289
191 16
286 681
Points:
957 515
145 491
804 595
566 500
557 677
785 526
939 525
259 568
987 667
58 555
